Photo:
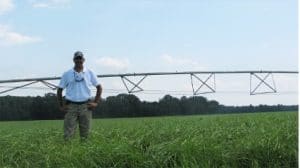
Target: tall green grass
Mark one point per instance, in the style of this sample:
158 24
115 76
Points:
237 140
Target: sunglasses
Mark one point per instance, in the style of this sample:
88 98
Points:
78 58
78 77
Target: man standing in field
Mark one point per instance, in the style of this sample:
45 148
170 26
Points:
78 104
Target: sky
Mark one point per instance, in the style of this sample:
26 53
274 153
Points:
38 39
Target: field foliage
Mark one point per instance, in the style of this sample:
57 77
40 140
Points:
237 140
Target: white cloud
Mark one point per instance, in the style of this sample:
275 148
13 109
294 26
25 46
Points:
5 6
50 3
181 63
9 37
113 63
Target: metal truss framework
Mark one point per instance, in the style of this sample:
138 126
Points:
212 89
133 87
271 86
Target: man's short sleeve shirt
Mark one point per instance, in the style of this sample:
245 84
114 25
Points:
78 84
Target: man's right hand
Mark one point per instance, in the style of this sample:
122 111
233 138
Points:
63 108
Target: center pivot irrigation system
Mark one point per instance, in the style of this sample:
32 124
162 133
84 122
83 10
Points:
133 87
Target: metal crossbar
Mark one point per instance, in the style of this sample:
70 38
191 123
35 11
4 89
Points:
262 81
136 86
17 87
203 83
50 85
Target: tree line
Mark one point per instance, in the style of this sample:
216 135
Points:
124 105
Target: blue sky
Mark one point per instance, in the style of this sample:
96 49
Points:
38 38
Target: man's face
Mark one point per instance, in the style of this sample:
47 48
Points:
78 60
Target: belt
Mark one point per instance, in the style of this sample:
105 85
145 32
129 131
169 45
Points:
72 102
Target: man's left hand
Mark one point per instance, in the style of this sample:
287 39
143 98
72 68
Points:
92 105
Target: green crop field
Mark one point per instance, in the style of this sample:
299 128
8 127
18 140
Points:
236 140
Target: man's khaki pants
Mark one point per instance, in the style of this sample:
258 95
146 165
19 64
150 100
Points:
77 113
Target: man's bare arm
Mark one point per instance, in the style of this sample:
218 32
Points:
94 104
98 94
59 97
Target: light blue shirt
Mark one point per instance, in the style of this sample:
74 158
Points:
78 84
